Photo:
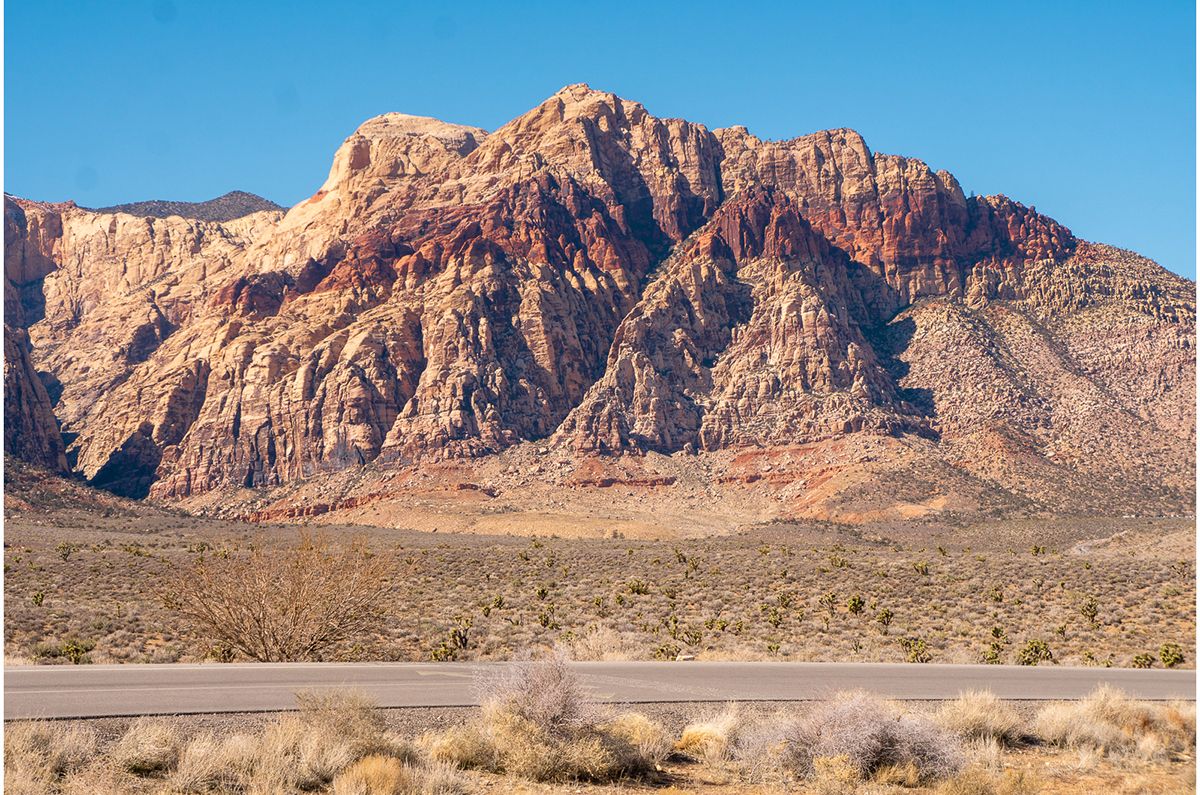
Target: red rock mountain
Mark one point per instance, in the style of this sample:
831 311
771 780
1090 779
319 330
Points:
608 283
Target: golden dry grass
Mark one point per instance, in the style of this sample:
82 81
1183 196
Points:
980 715
328 748
1109 722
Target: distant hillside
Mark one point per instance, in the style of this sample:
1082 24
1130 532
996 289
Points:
232 205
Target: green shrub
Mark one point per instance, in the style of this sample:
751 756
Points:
1033 652
1171 654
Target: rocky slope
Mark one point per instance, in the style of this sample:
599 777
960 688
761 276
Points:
602 281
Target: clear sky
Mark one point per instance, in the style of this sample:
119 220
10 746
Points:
1084 109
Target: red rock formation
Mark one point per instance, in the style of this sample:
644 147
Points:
612 280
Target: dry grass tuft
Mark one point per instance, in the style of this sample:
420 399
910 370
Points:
646 736
386 775
979 715
1108 721
713 739
38 753
214 764
374 775
464 746
149 747
834 775
977 781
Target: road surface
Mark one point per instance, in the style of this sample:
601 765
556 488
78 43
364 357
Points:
113 690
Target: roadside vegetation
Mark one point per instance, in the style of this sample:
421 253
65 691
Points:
538 732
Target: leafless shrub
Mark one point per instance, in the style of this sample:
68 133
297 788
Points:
278 605
546 693
874 737
980 715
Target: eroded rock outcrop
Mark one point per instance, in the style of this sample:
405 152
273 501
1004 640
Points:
615 282
30 429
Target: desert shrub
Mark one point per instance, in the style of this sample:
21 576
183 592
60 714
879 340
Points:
1033 652
915 650
148 747
536 723
278 605
1142 661
1108 721
603 644
74 650
979 715
873 737
1171 654
546 693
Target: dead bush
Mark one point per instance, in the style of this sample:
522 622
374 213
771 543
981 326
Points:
546 693
280 605
874 737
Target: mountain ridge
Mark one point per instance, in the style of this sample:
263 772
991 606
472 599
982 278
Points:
594 278
226 207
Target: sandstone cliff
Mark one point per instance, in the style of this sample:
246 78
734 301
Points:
30 428
612 282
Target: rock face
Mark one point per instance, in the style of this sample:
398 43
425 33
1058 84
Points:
30 429
611 282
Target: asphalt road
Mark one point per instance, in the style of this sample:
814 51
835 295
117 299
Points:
113 690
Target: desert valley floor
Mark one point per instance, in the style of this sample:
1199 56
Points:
84 575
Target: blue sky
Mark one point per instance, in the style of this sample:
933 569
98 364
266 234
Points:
1084 109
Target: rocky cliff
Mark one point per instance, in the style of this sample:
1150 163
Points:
610 283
